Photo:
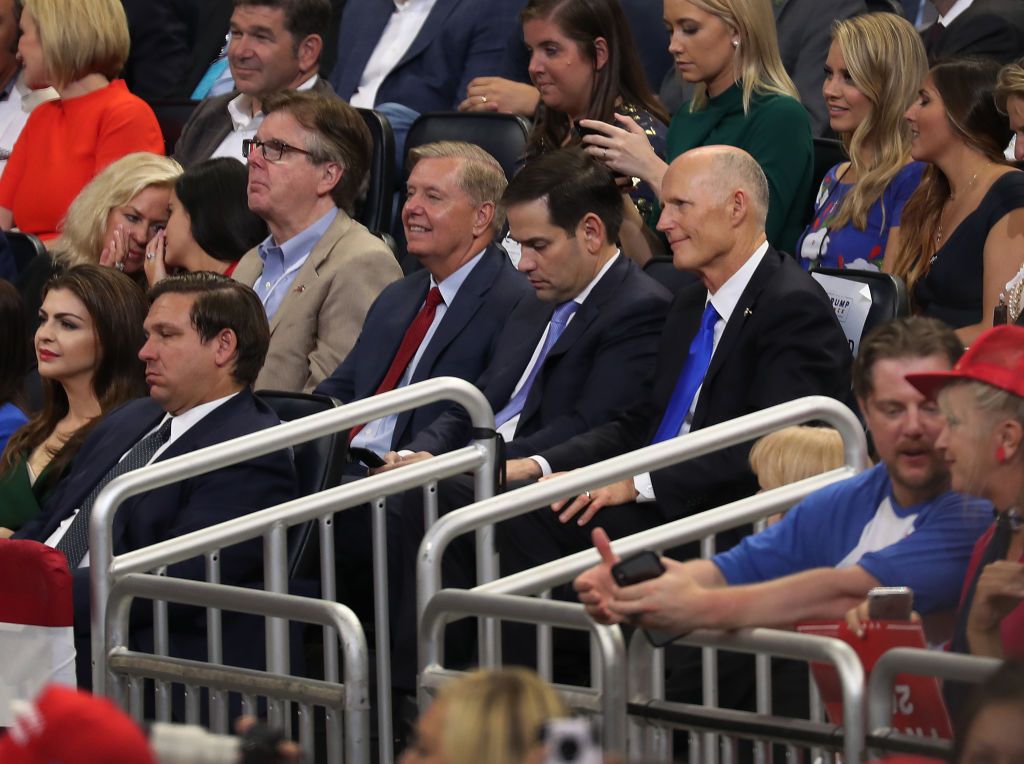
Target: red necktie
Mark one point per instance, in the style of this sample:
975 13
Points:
410 344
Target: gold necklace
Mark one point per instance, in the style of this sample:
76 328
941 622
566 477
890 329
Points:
953 198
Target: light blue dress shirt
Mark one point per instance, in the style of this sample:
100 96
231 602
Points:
281 262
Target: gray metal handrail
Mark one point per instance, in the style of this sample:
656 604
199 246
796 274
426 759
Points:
784 644
910 660
356 704
272 523
488 512
611 648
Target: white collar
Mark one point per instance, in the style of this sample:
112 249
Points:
182 423
600 274
951 15
728 295
240 108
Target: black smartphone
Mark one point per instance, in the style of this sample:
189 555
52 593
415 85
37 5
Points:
643 566
636 568
366 456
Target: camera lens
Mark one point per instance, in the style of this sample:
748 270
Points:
568 749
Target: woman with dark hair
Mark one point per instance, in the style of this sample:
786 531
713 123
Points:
585 65
963 229
87 347
13 361
210 225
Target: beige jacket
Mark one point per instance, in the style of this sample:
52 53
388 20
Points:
321 316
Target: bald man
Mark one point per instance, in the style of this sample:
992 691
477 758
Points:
754 332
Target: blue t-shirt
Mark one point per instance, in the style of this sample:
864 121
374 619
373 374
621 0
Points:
858 522
11 418
823 246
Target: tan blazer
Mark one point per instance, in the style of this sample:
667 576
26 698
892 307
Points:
321 316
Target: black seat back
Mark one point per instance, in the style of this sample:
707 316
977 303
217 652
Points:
889 298
24 247
171 115
661 269
318 462
503 136
373 209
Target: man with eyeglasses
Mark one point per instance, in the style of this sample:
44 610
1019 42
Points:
319 270
273 45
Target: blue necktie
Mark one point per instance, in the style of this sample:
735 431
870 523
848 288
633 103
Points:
690 378
559 320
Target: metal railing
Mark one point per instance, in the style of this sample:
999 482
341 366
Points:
272 525
347 705
919 662
700 527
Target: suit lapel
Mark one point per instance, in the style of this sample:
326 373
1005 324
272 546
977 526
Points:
360 36
433 25
308 273
736 325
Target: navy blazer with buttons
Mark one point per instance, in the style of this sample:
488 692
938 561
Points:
175 510
459 40
602 363
462 346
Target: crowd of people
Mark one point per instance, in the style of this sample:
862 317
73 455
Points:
174 288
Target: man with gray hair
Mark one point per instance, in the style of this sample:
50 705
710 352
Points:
755 331
441 320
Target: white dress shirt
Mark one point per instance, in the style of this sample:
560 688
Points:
725 301
179 426
403 26
245 123
376 435
951 15
14 111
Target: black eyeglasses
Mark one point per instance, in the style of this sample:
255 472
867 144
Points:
272 150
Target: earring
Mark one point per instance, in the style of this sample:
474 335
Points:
735 43
1000 454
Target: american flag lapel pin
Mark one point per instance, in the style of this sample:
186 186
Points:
747 312
300 288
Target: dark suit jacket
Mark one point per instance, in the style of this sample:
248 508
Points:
462 346
991 28
782 342
601 364
210 124
175 510
460 40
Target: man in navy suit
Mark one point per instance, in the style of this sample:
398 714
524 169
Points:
407 57
207 338
450 217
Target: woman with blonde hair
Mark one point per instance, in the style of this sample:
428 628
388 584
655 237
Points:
78 47
743 98
492 716
110 222
963 229
875 64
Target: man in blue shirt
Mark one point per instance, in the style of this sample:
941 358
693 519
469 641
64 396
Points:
896 524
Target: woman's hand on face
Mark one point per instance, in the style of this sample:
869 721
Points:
115 253
501 95
156 254
625 150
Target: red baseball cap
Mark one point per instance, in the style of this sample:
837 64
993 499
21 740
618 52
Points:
996 357
67 726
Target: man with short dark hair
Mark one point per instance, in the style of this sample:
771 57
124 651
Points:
274 45
206 339
319 270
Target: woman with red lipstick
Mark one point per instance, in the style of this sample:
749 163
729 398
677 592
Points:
87 344
963 229
875 64
743 98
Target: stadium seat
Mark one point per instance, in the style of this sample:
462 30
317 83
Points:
24 246
374 208
172 115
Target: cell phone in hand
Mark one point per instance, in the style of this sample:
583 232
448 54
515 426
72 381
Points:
890 603
643 566
366 456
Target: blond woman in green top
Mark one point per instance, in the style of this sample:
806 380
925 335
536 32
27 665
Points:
743 98
87 345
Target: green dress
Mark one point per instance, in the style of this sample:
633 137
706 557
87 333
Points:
20 499
776 132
